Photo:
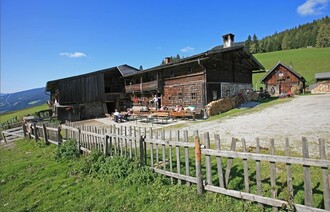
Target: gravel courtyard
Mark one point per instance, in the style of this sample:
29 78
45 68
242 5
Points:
307 116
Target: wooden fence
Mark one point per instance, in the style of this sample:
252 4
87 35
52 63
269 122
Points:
181 156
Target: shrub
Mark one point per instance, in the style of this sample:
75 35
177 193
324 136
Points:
67 150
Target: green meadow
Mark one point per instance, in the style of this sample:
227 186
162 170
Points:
306 62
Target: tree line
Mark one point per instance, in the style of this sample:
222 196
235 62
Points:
315 34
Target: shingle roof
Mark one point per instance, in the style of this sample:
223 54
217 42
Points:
123 69
324 75
215 50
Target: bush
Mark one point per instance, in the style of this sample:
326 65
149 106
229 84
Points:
67 150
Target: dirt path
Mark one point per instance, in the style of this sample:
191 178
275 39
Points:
307 116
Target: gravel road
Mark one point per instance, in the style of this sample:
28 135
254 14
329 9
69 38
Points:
307 116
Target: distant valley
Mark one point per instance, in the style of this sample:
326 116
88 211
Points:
22 99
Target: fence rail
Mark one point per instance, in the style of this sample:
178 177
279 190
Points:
181 156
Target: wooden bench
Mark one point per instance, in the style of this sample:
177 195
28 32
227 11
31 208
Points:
162 115
183 114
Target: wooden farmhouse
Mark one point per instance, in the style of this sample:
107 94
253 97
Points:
197 80
281 79
89 95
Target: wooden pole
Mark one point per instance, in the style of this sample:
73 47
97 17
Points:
186 154
219 161
325 177
198 166
59 136
35 132
141 139
258 173
307 176
45 134
78 140
273 172
208 159
24 130
246 168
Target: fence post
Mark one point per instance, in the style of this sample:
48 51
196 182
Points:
141 140
45 133
105 145
78 140
24 130
59 136
198 165
307 175
35 132
208 159
325 177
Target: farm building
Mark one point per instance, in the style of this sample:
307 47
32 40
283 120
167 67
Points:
196 80
281 79
89 95
321 77
322 83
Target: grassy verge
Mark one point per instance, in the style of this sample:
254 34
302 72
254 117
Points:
21 113
31 179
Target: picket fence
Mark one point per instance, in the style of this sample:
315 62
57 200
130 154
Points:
181 156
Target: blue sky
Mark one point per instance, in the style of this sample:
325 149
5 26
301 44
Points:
43 40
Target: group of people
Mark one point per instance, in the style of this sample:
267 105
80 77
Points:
120 117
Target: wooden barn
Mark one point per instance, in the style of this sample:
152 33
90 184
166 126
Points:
89 95
281 79
197 80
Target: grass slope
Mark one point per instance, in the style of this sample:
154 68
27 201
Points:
306 62
31 180
21 113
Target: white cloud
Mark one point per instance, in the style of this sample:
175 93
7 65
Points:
187 49
73 54
312 7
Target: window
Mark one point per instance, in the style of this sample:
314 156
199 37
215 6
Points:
193 95
179 96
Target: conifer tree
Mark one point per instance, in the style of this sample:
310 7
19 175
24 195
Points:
323 36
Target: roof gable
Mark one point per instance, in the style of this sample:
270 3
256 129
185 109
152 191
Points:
285 66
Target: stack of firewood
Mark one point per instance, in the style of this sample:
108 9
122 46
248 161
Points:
321 88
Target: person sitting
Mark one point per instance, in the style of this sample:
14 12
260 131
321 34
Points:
127 114
179 108
117 116
163 107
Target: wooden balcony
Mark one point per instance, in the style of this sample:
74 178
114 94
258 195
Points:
141 87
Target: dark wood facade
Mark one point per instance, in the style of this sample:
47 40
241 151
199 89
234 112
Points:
197 80
281 79
90 95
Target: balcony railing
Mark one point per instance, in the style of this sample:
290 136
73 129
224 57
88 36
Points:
145 86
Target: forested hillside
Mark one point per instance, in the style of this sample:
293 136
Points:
315 34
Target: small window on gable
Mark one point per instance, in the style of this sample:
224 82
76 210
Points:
193 95
179 96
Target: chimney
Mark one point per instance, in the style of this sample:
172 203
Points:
167 60
228 40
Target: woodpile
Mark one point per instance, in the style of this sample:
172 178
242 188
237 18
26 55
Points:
222 105
321 88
